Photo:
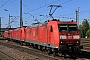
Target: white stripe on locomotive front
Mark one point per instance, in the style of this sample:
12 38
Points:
62 37
76 37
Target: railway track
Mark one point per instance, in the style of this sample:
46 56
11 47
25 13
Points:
7 56
35 52
86 44
29 51
83 55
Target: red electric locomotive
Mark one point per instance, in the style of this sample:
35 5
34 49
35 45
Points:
54 36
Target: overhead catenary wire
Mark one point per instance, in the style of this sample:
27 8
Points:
60 4
13 20
66 2
25 6
82 13
4 3
40 6
75 13
51 3
60 15
44 6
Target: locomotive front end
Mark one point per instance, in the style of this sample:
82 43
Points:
69 37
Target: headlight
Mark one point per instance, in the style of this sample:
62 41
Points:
61 42
77 42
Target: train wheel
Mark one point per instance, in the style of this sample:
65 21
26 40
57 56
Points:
8 39
39 47
49 50
43 48
55 52
30 44
27 44
21 43
77 49
60 53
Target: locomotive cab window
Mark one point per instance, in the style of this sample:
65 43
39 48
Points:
62 28
51 29
67 28
73 28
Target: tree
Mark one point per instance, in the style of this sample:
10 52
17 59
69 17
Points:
81 31
88 33
84 27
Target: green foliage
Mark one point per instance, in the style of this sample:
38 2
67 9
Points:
88 33
84 27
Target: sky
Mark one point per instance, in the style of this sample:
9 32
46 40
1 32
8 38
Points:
33 9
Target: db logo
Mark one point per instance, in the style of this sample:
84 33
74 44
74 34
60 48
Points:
69 37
